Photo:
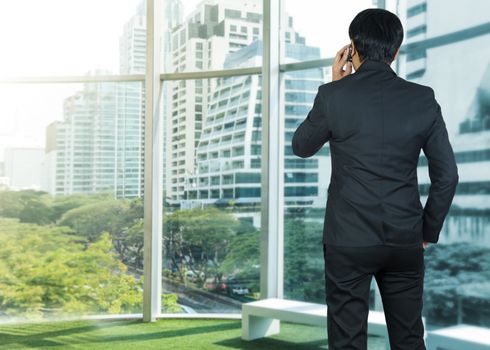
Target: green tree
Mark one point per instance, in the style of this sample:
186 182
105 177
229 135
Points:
121 218
129 243
198 240
243 258
128 240
304 268
449 268
36 211
62 204
92 219
29 206
45 270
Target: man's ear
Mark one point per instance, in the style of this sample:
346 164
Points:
396 54
354 51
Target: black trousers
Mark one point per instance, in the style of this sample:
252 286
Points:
399 273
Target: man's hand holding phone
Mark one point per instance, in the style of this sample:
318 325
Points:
340 61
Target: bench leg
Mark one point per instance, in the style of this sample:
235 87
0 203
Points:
254 327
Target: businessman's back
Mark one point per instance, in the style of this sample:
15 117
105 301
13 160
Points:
376 124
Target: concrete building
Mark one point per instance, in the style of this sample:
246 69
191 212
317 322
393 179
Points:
439 54
229 150
212 31
99 144
99 141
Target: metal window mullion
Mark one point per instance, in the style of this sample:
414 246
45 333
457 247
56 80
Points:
445 39
153 170
211 74
73 79
320 63
271 245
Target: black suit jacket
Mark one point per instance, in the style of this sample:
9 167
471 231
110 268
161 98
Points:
377 123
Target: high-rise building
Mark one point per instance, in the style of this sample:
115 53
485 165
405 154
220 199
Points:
229 150
425 19
133 52
99 141
132 43
437 55
415 30
99 144
212 31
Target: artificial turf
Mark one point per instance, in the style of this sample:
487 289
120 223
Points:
171 334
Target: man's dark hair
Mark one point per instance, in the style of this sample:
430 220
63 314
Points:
377 34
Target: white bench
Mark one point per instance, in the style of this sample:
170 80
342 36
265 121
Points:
262 318
459 337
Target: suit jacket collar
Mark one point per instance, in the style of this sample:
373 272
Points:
369 64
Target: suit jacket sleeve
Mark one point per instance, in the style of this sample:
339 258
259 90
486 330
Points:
443 173
314 131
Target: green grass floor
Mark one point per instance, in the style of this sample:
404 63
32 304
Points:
171 334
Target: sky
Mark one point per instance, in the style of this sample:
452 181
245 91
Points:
54 37
71 37
47 38
323 23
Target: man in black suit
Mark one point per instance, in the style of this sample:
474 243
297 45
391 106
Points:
375 224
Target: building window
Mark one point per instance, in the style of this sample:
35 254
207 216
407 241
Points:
300 191
412 56
415 10
242 178
300 177
229 13
417 30
416 74
228 193
248 192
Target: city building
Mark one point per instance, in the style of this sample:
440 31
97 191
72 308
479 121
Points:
229 150
202 42
437 54
470 211
98 143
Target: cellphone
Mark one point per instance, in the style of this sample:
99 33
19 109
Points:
349 55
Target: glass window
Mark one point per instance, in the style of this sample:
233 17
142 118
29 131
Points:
212 208
71 210
230 13
305 187
416 31
307 27
57 37
416 9
456 288
221 26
